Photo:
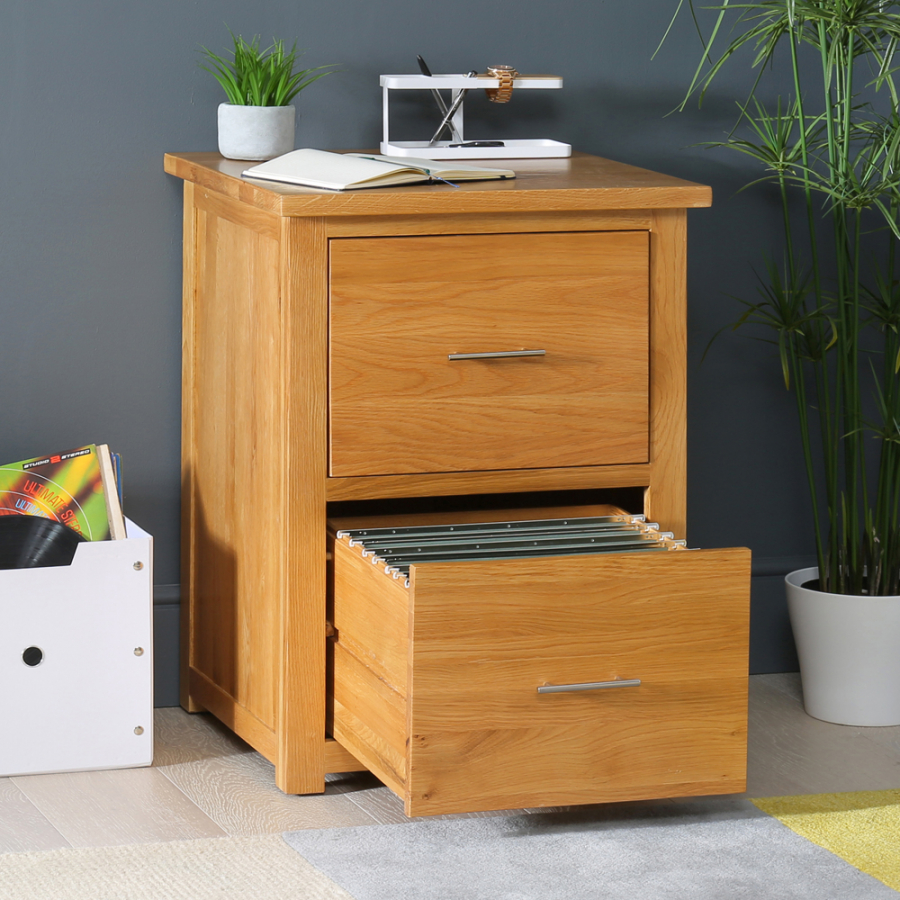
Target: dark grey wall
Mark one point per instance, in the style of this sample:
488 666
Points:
94 92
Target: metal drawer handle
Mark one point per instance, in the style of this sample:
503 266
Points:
500 354
588 686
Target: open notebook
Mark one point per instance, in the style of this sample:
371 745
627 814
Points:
352 171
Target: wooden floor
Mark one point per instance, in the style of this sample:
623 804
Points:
205 782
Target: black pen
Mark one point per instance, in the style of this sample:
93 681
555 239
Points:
423 67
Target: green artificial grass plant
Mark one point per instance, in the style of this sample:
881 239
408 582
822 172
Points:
260 77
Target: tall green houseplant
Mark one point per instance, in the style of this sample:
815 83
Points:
833 302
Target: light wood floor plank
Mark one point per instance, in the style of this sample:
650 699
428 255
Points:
121 806
182 737
235 786
876 770
23 828
793 753
386 808
786 682
889 739
239 793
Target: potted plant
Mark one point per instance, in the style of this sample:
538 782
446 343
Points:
257 121
832 307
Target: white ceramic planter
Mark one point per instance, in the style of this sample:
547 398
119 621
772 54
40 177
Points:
255 132
849 650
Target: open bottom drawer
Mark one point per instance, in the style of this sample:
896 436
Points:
436 683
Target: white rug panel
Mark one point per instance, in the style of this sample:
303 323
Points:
244 868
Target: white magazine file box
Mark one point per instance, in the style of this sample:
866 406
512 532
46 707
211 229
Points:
89 703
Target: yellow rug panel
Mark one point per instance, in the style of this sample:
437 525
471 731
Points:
861 827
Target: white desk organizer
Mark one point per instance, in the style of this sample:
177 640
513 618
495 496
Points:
89 703
539 148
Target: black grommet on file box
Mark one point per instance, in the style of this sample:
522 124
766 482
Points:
33 656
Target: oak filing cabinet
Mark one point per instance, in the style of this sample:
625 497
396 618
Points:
428 355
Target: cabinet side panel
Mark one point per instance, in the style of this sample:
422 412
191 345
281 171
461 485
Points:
237 465
192 236
666 497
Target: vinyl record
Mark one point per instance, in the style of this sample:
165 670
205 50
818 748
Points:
28 542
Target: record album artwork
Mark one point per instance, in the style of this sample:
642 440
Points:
67 488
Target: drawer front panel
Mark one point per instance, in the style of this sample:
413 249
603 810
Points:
673 741
399 307
485 636
482 637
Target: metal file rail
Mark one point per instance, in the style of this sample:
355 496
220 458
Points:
396 549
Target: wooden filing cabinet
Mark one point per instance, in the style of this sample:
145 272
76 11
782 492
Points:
330 359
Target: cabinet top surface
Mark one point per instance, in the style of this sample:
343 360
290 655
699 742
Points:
582 182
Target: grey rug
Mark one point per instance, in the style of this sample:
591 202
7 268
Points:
721 850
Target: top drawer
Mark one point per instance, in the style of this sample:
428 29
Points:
400 306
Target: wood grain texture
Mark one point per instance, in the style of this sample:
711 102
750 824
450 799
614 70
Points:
235 786
486 635
23 828
598 766
236 473
212 171
121 806
248 310
218 205
301 545
338 759
370 718
387 808
497 481
240 795
255 426
666 497
382 804
182 738
486 223
399 306
581 183
371 611
237 717
192 238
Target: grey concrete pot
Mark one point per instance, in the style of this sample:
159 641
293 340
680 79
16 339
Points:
849 650
255 132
